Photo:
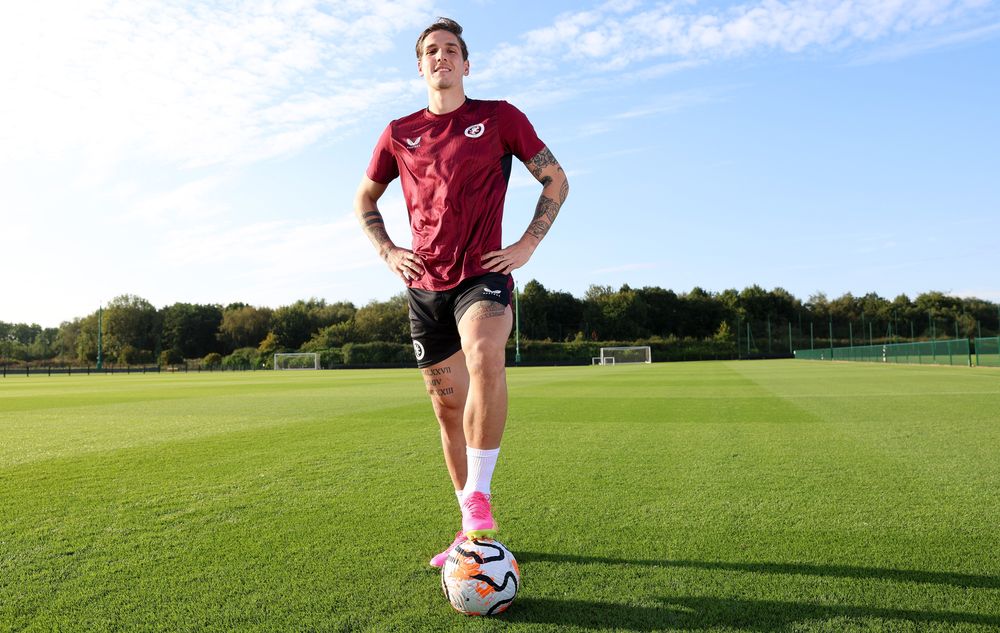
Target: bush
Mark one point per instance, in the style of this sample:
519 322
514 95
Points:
130 355
170 357
213 360
379 354
243 358
330 358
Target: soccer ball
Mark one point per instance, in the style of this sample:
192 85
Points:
480 577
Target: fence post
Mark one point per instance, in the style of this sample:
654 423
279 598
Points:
769 334
831 337
739 349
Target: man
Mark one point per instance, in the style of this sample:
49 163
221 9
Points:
453 160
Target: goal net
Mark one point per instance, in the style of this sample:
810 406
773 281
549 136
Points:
625 355
303 360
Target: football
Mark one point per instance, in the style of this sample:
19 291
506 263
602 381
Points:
480 577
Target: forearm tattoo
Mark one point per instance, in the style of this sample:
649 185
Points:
547 208
375 228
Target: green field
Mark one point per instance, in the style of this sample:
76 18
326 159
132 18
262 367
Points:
730 496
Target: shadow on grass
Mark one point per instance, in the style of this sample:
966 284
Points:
700 612
966 581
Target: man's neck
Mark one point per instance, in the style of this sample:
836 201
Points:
445 101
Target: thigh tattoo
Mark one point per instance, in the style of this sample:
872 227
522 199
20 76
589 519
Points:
487 310
434 380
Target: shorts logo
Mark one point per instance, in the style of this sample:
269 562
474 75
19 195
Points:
475 131
413 143
492 293
418 349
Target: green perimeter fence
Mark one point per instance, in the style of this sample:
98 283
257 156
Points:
988 351
940 352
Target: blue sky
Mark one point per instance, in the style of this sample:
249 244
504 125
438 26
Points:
209 152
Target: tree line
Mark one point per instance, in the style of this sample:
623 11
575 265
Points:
133 331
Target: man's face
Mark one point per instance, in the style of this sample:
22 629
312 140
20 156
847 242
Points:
441 64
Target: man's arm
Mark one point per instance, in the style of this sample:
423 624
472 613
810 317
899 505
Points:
555 188
403 262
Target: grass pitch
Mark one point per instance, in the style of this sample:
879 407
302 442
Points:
753 496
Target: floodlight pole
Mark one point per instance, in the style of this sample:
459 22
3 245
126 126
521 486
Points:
100 328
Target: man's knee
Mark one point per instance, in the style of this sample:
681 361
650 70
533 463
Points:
485 358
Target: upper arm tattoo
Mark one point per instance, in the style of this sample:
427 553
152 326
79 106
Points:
539 162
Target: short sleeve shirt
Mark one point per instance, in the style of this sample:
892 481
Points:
454 169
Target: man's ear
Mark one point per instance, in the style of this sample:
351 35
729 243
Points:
466 73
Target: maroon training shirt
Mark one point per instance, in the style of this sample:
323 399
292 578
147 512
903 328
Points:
454 170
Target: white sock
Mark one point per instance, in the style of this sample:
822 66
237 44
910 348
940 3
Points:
481 463
458 495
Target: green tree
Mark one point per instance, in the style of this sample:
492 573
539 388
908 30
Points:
386 321
534 306
662 310
244 326
191 329
332 336
69 332
292 325
698 314
132 321
619 315
86 340
325 315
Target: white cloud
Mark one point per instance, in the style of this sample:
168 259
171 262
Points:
924 44
624 34
191 201
193 84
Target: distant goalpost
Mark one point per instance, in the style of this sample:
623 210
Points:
623 355
302 360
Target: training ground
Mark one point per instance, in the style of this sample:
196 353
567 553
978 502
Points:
726 496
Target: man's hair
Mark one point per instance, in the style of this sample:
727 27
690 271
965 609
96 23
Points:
443 24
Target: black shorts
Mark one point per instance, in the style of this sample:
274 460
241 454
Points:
434 316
